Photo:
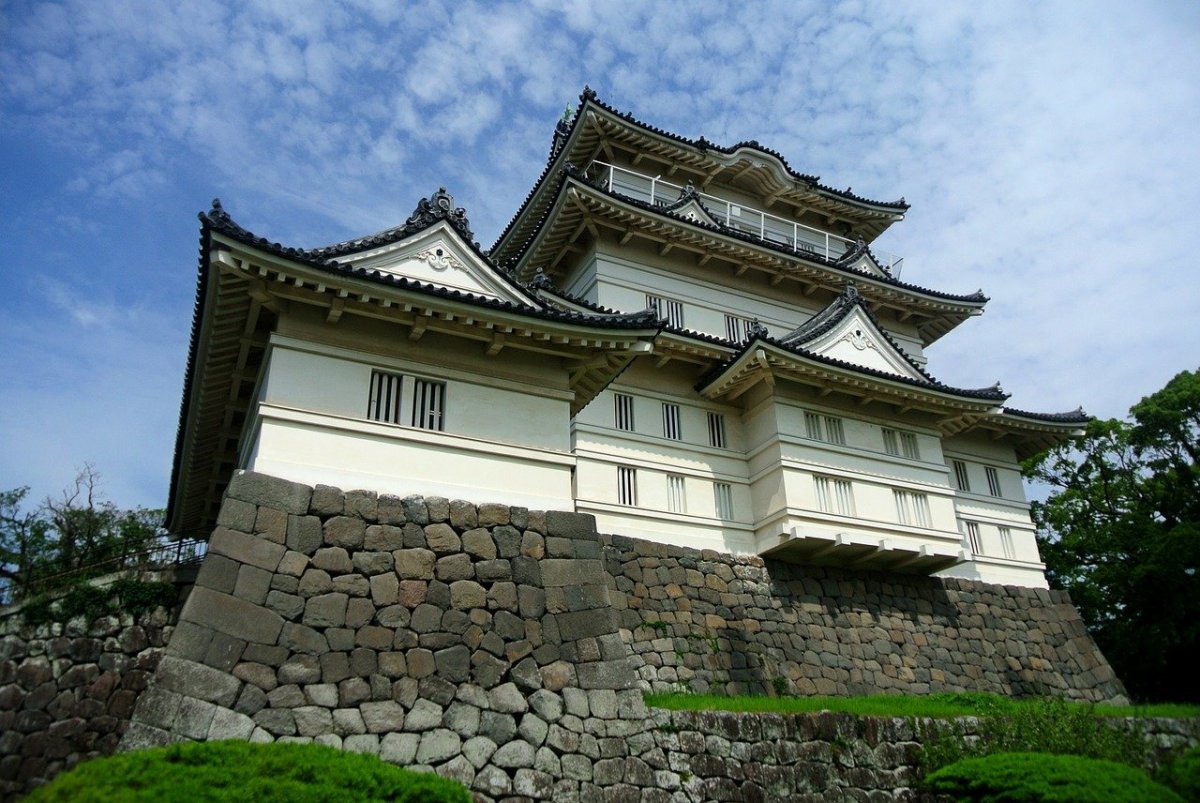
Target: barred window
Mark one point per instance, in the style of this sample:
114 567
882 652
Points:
626 485
716 430
993 480
834 495
912 508
736 328
961 479
623 404
676 501
901 443
666 308
383 403
1006 543
723 498
826 428
429 404
973 538
670 414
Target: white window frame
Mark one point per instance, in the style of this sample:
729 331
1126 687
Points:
676 493
627 486
912 508
974 542
723 500
623 412
1007 546
429 404
672 428
716 431
667 308
736 328
962 478
993 481
826 428
899 443
834 495
385 397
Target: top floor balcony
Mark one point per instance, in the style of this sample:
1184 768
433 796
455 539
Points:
770 228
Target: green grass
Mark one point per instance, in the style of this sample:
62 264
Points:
1044 778
239 772
938 706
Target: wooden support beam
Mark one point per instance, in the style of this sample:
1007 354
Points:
741 268
495 346
627 236
705 258
420 323
336 308
665 249
776 279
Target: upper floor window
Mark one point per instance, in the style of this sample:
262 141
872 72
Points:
723 499
676 500
623 411
834 495
666 308
973 541
670 414
716 430
826 428
993 480
912 507
901 443
429 404
961 479
626 485
383 404
736 328
1006 543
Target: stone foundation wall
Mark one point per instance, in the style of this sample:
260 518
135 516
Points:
706 621
67 690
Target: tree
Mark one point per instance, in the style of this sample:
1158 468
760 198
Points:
1121 532
78 532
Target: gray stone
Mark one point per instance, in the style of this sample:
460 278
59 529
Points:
227 724
276 721
453 663
322 694
190 641
250 701
245 548
514 755
299 638
503 596
327 501
442 539
490 571
252 584
415 510
438 745
197 680
438 508
603 703
508 699
425 715
348 721
344 531
314 582
313 720
575 702
532 783
500 728
361 743
289 606
577 767
533 729
414 564
364 504
260 489
354 585
394 616
334 560
271 524
491 514
479 543
328 740
382 538
458 769
373 563
478 750
326 610
526 675
465 594
260 675
300 669
237 515
304 534
288 696
463 515
390 509
508 541
158 707
382 716
218 573
292 564
359 611
463 719
563 572
426 618
399 748
548 705
232 616
570 525
493 781
454 567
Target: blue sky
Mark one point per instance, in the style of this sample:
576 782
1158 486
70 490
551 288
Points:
1049 152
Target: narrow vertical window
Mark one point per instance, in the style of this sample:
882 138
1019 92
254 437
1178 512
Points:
623 411
670 414
890 444
973 538
736 328
908 446
716 430
383 403
676 501
812 426
912 508
626 485
834 495
723 498
429 404
655 303
993 479
1006 543
961 479
675 314
833 430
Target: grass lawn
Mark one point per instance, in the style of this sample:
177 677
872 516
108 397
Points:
939 706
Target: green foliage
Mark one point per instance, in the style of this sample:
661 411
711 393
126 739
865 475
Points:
1121 532
1182 773
85 600
1039 726
136 597
239 772
780 686
38 610
1044 778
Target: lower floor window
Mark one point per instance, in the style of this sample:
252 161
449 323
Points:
1006 543
723 498
913 508
973 538
423 407
676 501
626 485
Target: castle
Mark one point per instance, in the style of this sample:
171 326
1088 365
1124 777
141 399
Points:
695 344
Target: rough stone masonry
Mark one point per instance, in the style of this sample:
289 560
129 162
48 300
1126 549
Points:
509 648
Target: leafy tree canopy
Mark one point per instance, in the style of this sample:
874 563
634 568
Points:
1121 532
78 530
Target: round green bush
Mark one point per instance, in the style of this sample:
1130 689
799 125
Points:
1182 774
1045 778
240 772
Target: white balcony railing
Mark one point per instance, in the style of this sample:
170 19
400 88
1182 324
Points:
755 222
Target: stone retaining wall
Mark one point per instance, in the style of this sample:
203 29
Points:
67 690
705 621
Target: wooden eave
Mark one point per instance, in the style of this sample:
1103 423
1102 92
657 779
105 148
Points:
584 210
1027 437
767 363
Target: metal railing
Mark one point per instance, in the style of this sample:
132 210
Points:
767 227
162 555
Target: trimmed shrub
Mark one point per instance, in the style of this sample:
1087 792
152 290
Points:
240 772
1182 773
1045 778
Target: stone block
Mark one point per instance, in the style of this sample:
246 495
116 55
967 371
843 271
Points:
438 745
373 563
218 573
237 515
314 582
359 611
399 748
390 510
363 504
304 534
245 548
411 593
252 584
479 544
232 616
463 515
514 755
141 736
354 585
478 750
348 721
260 675
382 717
271 524
190 641
300 669
334 559
289 606
490 571
197 680
344 531
454 567
224 651
292 564
312 720
414 564
570 525
326 610
300 638
564 572
227 724
260 489
492 515
466 594
442 539
508 699
453 663
158 707
194 718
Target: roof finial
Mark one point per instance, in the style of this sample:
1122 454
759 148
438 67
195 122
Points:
756 329
440 206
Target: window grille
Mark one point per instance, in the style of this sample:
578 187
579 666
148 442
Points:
961 479
901 443
716 430
973 538
833 431
626 485
834 495
623 410
993 480
670 414
666 308
736 328
383 403
429 404
890 443
812 426
723 497
912 508
1006 543
676 500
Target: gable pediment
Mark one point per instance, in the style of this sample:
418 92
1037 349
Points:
437 255
856 339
